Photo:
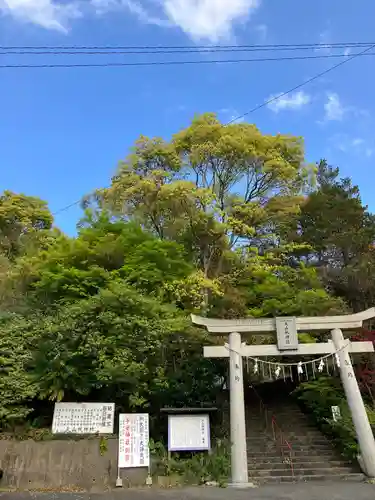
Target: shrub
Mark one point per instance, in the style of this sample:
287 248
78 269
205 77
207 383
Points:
317 397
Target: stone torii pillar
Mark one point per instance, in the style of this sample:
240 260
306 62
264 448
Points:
287 344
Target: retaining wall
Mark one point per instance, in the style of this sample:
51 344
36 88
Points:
70 465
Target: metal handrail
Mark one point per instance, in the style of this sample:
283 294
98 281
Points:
277 433
283 443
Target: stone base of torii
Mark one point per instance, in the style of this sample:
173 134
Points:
287 345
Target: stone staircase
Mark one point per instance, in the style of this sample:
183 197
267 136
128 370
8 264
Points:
283 445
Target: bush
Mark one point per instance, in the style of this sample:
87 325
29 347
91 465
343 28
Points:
193 467
317 397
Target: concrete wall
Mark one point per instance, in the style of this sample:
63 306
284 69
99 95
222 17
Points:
63 465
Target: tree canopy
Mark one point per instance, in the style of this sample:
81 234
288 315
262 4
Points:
219 220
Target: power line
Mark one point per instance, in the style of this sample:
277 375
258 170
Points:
181 62
319 75
182 47
63 209
256 108
138 51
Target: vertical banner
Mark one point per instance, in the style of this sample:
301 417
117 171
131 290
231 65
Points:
133 442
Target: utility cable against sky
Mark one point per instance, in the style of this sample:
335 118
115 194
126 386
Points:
300 85
188 50
265 103
182 62
278 46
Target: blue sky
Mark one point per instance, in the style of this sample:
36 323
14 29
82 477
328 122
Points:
62 131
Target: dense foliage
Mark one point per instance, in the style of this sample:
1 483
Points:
220 220
318 397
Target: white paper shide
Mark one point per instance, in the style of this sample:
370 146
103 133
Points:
133 440
83 418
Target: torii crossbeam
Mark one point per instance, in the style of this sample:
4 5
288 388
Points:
287 329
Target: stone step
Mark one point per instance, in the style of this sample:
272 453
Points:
270 460
294 449
297 430
320 440
294 429
289 418
292 420
300 464
279 422
311 445
355 477
296 453
291 424
276 411
298 471
300 422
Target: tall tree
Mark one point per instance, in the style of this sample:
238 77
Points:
22 219
104 251
341 233
212 187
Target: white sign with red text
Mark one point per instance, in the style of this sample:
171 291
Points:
133 442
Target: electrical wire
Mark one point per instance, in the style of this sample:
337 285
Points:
300 85
277 46
63 209
256 108
205 50
180 63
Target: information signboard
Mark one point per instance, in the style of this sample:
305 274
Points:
83 418
188 432
133 442
336 413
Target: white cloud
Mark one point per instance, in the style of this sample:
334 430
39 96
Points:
347 51
231 115
324 39
143 14
333 108
208 19
358 141
211 20
46 13
290 101
262 30
357 146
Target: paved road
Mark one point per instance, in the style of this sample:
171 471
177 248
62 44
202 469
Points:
302 491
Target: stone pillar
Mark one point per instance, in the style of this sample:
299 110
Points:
237 414
356 405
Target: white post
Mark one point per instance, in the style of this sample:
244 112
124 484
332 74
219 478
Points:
356 405
237 413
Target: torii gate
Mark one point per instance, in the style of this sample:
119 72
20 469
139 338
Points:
287 337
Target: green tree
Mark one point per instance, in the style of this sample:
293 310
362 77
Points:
267 286
17 342
103 251
211 188
23 219
121 346
340 233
